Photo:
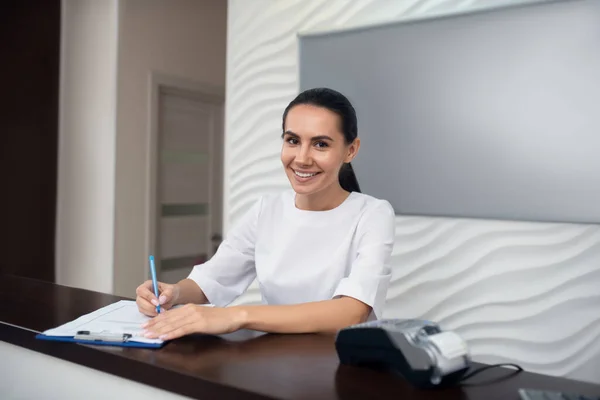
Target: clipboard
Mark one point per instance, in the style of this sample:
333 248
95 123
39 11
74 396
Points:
97 342
118 324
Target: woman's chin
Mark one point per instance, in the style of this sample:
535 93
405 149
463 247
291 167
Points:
303 188
307 188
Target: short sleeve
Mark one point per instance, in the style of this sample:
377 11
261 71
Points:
231 270
370 273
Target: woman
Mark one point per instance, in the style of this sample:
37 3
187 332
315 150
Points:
320 252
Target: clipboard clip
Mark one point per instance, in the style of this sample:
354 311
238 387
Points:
102 336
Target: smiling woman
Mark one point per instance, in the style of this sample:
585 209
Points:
320 251
320 132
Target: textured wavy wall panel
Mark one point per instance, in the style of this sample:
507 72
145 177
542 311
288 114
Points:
524 292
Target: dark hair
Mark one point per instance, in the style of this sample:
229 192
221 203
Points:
338 103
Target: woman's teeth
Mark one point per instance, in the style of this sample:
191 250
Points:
302 175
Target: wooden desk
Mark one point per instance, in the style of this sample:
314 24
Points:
243 365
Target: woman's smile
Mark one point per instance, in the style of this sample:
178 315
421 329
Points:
304 176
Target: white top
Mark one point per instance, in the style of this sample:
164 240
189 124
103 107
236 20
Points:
301 256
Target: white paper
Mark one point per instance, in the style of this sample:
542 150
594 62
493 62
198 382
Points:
120 317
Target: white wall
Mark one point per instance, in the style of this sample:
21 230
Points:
524 292
184 39
85 211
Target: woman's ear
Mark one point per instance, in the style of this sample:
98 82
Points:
352 150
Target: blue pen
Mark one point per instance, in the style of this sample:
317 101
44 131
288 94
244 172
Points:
154 282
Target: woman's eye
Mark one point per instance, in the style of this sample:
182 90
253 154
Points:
292 141
321 144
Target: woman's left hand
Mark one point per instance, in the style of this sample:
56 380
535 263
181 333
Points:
192 318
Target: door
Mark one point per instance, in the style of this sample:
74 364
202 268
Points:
189 180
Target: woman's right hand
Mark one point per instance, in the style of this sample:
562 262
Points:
147 301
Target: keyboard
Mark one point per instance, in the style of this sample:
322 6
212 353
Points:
533 394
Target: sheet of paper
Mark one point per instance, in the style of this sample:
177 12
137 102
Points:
120 317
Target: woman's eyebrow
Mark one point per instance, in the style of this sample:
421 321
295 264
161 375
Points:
322 137
319 137
289 133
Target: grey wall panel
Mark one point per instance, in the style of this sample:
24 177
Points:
492 114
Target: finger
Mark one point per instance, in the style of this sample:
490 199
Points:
146 285
166 293
170 321
184 326
172 313
161 322
144 291
178 332
165 307
157 319
145 307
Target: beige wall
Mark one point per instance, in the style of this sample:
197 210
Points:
180 38
109 50
85 210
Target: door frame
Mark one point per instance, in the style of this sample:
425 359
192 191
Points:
158 83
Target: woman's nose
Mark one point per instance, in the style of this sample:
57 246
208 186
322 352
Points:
303 155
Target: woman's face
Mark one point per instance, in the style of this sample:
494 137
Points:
314 149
